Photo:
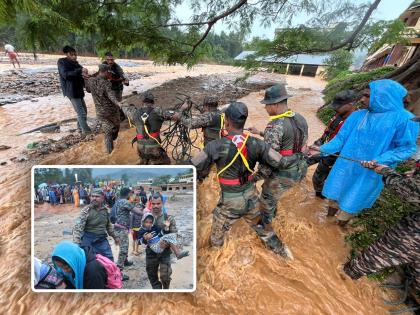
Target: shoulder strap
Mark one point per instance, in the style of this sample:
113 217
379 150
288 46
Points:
238 153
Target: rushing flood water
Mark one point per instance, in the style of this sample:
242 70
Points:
242 277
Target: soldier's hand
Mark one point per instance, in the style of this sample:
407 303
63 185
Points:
369 164
313 150
379 168
253 130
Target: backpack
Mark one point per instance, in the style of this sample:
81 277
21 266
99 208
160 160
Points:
113 216
114 280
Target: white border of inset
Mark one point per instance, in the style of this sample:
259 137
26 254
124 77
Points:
116 290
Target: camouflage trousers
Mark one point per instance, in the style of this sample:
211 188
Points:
234 206
110 125
274 186
322 171
158 268
399 245
122 234
151 153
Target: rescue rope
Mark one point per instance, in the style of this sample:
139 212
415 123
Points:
289 113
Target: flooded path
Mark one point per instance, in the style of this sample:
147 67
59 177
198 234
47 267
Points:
242 277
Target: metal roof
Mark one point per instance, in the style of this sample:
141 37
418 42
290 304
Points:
302 59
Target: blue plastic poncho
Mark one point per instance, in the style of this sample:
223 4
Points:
383 133
75 257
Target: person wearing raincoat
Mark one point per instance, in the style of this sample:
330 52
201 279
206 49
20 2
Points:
383 134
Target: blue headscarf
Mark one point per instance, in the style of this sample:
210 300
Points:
75 257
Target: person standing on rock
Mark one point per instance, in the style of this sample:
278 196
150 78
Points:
148 120
235 156
93 226
10 52
343 105
158 266
286 133
72 83
116 76
123 211
381 134
106 104
211 120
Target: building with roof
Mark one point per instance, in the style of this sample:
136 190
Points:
300 64
398 54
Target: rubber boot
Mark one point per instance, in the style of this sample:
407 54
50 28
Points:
109 145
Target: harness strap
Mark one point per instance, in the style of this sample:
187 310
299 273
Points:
232 181
144 118
238 153
289 114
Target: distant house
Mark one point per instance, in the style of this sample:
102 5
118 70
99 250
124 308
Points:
301 64
183 182
398 55
146 183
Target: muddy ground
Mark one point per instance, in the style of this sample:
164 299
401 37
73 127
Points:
53 224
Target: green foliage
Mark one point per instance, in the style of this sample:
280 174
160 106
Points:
161 180
356 81
325 114
389 32
338 62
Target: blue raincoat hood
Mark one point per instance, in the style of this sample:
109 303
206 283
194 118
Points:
386 96
75 257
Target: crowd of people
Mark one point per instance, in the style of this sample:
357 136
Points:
113 211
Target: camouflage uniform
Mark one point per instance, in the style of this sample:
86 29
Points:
117 76
91 229
287 136
122 228
239 200
400 244
210 122
150 152
107 107
160 262
325 164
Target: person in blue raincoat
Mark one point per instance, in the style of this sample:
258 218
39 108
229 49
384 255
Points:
383 134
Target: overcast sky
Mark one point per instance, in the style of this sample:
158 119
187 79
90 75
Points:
387 10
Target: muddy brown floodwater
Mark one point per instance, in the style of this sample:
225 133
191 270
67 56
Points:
242 277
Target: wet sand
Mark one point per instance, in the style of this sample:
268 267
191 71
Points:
241 277
53 224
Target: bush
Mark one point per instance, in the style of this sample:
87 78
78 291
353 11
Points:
325 114
356 81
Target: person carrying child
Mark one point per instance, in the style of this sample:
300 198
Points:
158 239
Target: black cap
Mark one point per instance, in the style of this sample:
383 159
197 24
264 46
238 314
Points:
342 98
148 97
237 111
211 101
275 94
416 119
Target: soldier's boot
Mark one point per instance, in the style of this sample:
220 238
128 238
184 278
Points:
109 144
273 242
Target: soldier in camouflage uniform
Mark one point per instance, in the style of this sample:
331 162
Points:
210 120
116 76
106 105
235 156
343 105
287 133
122 225
148 120
400 244
160 264
93 226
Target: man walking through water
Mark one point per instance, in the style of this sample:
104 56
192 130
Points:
287 133
72 82
12 54
93 226
235 156
106 104
160 264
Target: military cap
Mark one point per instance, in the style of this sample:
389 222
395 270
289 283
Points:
148 97
104 67
211 101
343 98
275 94
237 111
97 192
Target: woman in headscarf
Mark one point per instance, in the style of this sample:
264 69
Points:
383 134
79 266
76 196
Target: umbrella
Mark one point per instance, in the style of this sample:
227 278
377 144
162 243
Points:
42 185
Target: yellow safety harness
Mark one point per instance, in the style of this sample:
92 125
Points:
144 118
222 125
238 153
130 123
289 113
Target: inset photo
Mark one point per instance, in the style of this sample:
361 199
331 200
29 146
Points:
124 228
